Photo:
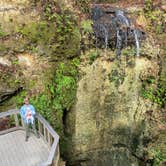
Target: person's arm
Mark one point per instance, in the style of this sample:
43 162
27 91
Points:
22 112
33 111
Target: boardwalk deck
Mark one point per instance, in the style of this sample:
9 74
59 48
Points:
14 151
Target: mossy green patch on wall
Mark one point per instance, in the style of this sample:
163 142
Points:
2 32
58 37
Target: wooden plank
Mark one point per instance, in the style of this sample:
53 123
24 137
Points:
56 157
49 135
52 154
17 152
9 130
49 138
45 135
39 127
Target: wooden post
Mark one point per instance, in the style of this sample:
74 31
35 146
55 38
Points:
39 127
45 134
56 157
49 138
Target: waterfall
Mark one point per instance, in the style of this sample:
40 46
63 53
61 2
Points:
136 42
113 27
118 43
124 21
120 16
102 31
105 36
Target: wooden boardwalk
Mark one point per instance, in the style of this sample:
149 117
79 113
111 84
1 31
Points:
14 151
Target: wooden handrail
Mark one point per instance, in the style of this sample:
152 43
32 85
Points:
9 112
53 157
55 145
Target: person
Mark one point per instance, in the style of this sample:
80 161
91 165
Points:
27 113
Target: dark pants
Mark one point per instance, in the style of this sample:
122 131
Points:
27 129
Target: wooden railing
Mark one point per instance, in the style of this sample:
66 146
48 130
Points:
44 129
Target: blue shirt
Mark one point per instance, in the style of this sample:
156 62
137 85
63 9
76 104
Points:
27 113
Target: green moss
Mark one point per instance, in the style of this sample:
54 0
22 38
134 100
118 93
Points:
86 26
2 32
155 17
93 56
36 32
158 155
117 77
83 5
58 36
155 94
3 48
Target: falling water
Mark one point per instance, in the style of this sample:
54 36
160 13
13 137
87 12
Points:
136 42
124 21
120 15
97 13
115 28
118 43
105 36
102 30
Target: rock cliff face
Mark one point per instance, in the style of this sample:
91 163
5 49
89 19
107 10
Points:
108 122
16 65
111 123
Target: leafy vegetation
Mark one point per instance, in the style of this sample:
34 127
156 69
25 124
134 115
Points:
86 26
93 56
57 35
83 5
2 33
155 16
158 94
129 51
158 156
58 96
117 77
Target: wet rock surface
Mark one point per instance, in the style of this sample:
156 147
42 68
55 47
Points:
113 29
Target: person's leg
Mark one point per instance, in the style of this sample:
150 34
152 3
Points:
26 131
34 129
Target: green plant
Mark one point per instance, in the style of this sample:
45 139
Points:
93 56
2 33
117 76
148 5
59 94
157 95
35 32
86 26
83 5
158 156
129 51
11 122
155 17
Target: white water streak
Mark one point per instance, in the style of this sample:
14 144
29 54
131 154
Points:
136 42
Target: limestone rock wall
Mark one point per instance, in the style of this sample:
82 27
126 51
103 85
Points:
108 122
20 69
